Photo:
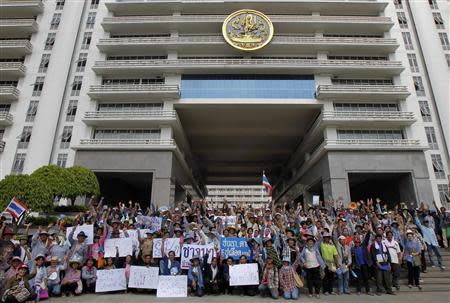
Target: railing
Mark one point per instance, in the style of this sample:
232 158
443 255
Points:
16 43
17 22
219 39
12 66
20 2
6 116
354 115
133 87
127 142
362 88
375 142
241 62
130 114
2 146
4 90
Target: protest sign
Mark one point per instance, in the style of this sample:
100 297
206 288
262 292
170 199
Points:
316 200
143 277
234 247
244 274
87 229
229 220
169 245
125 246
172 287
110 280
151 223
189 250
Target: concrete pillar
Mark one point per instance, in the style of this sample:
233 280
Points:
161 190
339 189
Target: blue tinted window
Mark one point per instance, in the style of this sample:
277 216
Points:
247 86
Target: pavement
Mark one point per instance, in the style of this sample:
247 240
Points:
436 297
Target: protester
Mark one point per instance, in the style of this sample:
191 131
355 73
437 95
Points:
412 256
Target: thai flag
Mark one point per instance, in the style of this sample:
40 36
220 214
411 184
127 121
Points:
267 185
16 208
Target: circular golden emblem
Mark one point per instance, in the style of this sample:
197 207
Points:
247 30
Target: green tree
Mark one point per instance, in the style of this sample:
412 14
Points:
85 181
31 191
58 179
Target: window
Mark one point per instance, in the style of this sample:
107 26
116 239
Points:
438 20
71 110
55 21
447 57
81 62
38 86
19 161
76 86
425 111
91 20
402 20
366 107
156 80
438 167
66 137
362 81
129 107
433 4
43 66
50 41
5 108
413 63
8 83
407 40
61 160
127 134
377 134
418 85
443 193
60 5
32 110
86 40
431 137
25 137
398 4
444 41
94 4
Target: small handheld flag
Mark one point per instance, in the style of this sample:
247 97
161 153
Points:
16 208
267 185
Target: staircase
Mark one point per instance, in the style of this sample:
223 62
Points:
434 280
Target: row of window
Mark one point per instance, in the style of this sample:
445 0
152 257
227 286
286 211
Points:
8 83
376 134
365 107
399 4
156 80
127 134
120 107
362 81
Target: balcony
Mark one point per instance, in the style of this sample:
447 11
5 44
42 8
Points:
360 119
130 118
15 48
144 92
6 118
12 70
20 8
374 144
126 144
216 44
17 28
362 92
328 7
2 146
212 24
8 93
352 68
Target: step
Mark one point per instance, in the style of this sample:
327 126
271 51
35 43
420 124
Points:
426 288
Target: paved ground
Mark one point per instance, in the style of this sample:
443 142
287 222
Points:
436 297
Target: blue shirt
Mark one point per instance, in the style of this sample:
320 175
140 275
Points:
429 236
360 256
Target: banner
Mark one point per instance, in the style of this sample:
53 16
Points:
143 277
189 250
170 244
110 280
230 220
244 274
234 247
125 246
87 229
151 223
172 287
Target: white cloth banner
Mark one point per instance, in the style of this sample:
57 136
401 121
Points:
169 245
87 229
230 220
110 280
125 246
143 277
244 274
172 287
189 250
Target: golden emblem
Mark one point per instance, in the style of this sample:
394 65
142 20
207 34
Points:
247 30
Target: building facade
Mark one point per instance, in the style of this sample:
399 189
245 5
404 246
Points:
348 99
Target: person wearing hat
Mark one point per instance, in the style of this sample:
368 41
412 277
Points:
21 281
412 255
78 247
271 252
97 248
15 263
71 283
54 277
59 247
287 280
39 244
382 261
396 257
330 257
361 261
195 276
146 244
429 236
343 266
40 279
22 250
313 263
270 279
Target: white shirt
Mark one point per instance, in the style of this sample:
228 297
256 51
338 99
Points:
393 248
311 258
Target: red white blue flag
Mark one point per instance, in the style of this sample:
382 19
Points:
16 208
267 185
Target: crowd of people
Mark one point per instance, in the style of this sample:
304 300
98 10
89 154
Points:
331 248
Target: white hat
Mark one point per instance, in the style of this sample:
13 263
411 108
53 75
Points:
341 238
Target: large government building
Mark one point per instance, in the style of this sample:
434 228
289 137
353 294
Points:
160 98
